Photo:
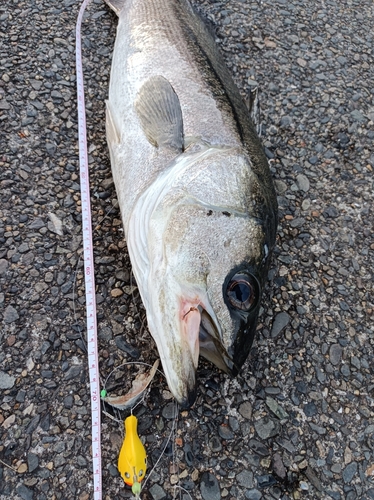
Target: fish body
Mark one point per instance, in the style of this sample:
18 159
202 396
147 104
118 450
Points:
132 460
194 187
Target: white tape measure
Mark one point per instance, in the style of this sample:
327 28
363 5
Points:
89 275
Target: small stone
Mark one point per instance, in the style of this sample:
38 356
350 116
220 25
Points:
69 401
280 186
276 408
6 381
3 266
37 224
358 116
331 212
73 372
266 427
33 424
245 479
225 432
128 348
278 466
303 183
116 292
209 487
10 314
265 481
306 204
11 340
245 410
32 461
258 447
157 492
170 411
349 472
253 494
310 474
335 353
215 444
8 422
24 492
310 409
22 468
280 322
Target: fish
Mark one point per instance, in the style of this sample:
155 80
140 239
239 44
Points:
194 187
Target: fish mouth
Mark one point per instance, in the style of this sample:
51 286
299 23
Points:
210 344
201 334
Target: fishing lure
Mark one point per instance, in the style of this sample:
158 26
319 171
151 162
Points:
132 460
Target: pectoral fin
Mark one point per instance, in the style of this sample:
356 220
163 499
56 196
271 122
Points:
160 114
116 5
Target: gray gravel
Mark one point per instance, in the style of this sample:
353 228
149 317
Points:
298 422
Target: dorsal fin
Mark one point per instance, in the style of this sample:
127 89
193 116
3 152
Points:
160 114
116 5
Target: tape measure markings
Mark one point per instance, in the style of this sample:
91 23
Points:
89 275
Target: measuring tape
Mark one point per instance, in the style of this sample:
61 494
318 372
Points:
89 275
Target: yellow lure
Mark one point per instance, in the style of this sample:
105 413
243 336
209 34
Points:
132 460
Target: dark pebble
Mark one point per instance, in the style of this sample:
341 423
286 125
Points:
265 481
45 422
188 455
157 492
225 432
245 479
73 372
170 411
24 492
129 349
310 409
331 212
253 495
113 471
32 462
37 224
335 352
266 427
10 315
215 444
209 487
21 394
68 401
278 466
311 475
349 472
258 447
33 424
280 322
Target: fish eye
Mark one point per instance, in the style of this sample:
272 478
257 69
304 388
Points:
127 475
141 472
243 291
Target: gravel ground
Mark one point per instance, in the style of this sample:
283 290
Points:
298 422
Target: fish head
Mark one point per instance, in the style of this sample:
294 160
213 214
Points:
208 246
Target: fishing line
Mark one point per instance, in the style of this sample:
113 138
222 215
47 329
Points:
119 420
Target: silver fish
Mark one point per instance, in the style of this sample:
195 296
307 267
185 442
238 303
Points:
194 187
